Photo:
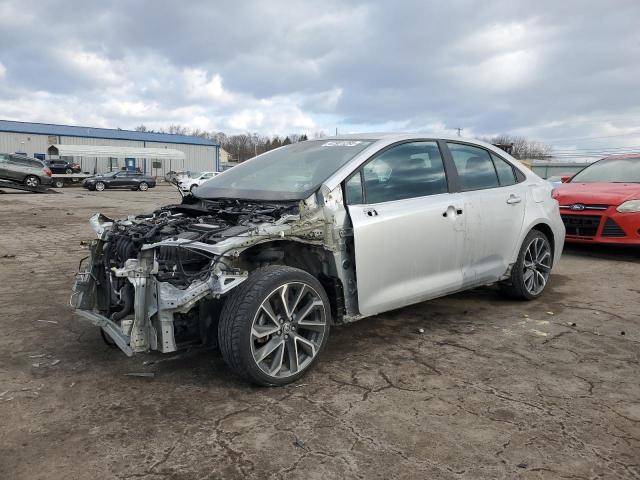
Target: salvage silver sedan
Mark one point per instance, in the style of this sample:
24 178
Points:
267 256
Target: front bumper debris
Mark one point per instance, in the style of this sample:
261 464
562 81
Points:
150 325
110 328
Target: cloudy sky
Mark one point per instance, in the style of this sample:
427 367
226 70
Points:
567 73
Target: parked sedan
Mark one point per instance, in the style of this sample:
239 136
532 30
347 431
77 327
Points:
26 170
58 166
191 184
601 203
121 179
266 258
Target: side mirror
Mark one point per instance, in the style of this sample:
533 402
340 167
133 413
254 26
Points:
565 178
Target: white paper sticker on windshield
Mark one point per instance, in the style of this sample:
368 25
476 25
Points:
342 143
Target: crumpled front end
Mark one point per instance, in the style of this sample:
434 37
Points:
152 282
151 311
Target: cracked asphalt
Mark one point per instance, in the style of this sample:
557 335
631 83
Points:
493 388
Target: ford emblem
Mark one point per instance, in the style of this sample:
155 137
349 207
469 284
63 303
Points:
577 206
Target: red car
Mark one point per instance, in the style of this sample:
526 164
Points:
601 203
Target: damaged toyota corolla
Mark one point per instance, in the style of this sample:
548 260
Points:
267 256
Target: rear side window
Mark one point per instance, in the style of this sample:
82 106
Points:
475 167
404 171
506 175
34 164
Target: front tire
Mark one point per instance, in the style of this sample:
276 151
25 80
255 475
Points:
100 186
274 325
530 273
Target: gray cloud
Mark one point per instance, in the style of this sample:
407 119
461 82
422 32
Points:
549 70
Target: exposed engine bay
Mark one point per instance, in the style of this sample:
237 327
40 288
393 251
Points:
179 266
155 281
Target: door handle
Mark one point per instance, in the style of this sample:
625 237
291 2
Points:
370 212
452 209
513 199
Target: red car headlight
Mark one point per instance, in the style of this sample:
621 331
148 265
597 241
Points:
629 206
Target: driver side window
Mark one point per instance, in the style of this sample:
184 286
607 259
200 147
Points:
404 171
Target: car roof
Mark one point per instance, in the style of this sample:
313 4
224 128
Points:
627 156
398 136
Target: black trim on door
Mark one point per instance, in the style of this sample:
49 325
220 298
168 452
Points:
449 167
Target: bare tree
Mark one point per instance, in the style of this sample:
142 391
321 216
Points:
177 130
521 148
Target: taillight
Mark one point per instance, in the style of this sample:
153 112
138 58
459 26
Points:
47 171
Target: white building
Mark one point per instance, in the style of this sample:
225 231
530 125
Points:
100 150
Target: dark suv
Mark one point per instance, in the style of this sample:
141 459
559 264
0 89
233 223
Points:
29 171
121 179
63 166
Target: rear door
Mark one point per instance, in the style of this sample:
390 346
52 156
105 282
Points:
408 228
494 205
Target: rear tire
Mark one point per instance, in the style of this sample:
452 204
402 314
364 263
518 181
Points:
31 181
530 273
58 183
274 325
143 187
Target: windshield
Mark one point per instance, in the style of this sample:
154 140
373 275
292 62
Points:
620 170
289 173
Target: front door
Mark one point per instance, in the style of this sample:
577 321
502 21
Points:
494 209
408 230
5 171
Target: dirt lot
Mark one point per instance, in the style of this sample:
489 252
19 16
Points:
491 389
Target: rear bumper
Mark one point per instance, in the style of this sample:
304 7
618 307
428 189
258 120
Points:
602 226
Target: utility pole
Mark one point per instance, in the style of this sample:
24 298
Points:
459 131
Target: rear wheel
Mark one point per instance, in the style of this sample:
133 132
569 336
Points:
58 183
100 186
530 273
68 171
143 187
274 325
31 181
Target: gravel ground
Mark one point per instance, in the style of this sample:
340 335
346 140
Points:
493 388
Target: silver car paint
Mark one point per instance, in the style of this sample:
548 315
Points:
492 232
408 252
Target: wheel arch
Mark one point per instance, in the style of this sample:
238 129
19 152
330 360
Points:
311 258
548 232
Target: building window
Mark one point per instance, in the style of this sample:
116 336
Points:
39 156
113 164
53 139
